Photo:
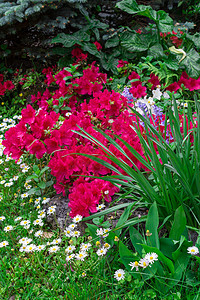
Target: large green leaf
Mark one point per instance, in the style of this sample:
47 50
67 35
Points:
161 18
179 224
136 239
195 38
192 63
91 48
152 225
136 42
112 42
165 23
124 217
156 51
131 7
69 40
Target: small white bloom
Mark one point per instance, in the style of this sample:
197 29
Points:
4 244
77 219
25 195
100 206
72 226
2 181
25 241
85 247
119 275
8 228
68 232
40 247
30 248
25 222
2 218
81 256
53 249
157 94
22 248
45 200
70 257
101 251
18 219
38 233
106 246
70 249
193 250
151 257
134 265
143 263
100 231
38 222
8 184
15 178
42 214
56 241
75 233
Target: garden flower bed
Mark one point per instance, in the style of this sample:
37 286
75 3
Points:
99 173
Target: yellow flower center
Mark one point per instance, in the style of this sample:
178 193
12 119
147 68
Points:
144 264
151 257
192 250
119 275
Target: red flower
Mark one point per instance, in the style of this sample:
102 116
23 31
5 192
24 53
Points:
8 85
99 47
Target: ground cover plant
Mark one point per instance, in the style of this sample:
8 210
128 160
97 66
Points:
124 152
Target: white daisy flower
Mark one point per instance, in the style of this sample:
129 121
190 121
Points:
38 222
40 247
100 231
38 233
56 241
53 249
100 206
106 232
8 184
72 226
119 274
151 257
68 232
45 200
75 233
30 248
42 214
143 263
77 219
4 244
70 249
193 250
107 246
2 181
81 256
8 228
2 218
106 192
25 195
85 247
15 178
18 219
25 241
70 257
134 265
25 222
101 251
37 201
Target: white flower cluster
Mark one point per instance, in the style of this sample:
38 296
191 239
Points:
149 259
